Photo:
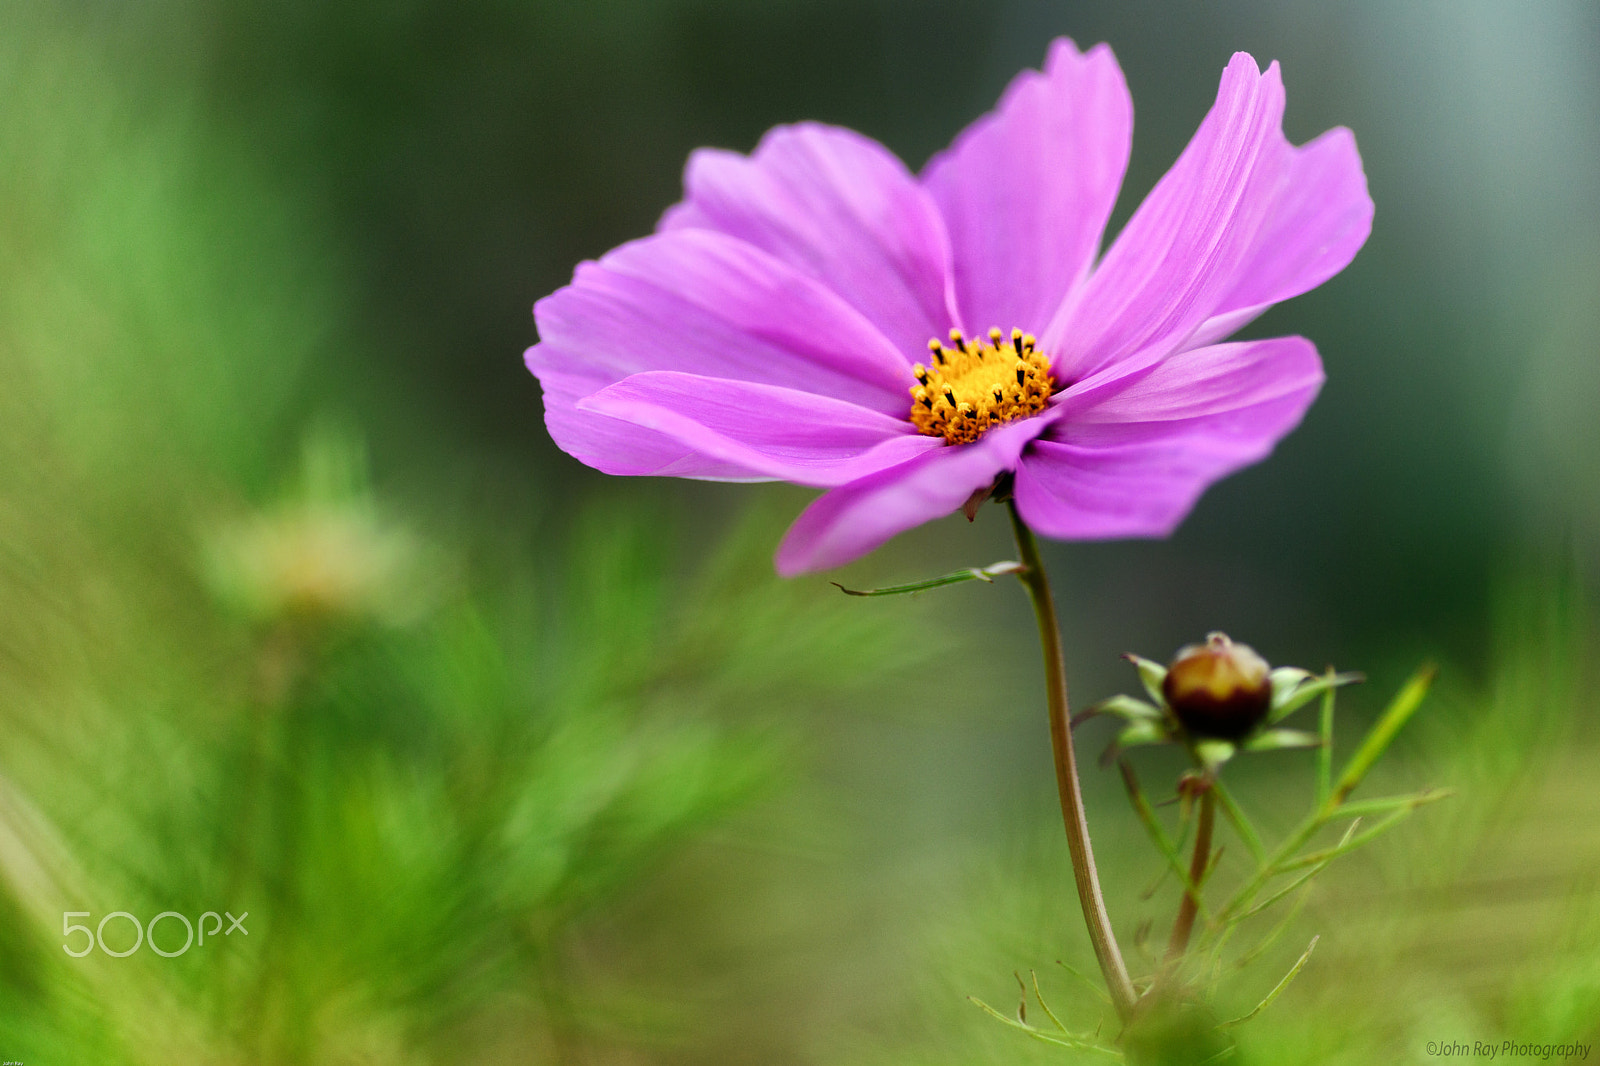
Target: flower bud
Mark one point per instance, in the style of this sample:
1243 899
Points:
1219 688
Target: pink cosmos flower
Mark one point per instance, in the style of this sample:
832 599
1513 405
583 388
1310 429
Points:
816 313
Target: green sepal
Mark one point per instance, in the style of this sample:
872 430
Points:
1124 707
971 573
1293 688
1151 675
1213 753
1279 739
1136 734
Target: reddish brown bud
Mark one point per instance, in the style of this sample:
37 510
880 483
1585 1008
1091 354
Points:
1219 688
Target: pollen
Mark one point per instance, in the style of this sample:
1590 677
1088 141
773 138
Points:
971 384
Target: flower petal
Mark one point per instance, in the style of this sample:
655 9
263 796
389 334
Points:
1132 461
1321 219
842 209
782 433
611 445
1026 190
1183 249
850 521
705 303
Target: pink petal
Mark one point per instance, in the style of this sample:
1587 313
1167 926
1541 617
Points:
1026 190
850 521
1183 249
1321 219
1132 461
704 303
616 447
840 208
782 433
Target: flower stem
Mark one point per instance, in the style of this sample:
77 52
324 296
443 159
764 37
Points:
1179 943
1104 940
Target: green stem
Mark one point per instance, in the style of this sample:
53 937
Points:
1104 940
1184 926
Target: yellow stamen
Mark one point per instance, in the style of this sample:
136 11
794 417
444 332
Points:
973 385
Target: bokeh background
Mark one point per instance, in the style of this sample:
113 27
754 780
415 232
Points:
302 614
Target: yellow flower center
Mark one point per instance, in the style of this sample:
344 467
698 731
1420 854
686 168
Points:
973 384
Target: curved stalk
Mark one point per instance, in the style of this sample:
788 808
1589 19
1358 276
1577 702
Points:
1104 940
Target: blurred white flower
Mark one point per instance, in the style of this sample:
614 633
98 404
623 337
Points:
325 552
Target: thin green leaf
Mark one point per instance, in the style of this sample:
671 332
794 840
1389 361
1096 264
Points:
972 573
1325 753
1278 991
1065 1040
1267 903
1215 952
1152 675
1351 844
1158 835
1186 822
1274 865
1364 808
1293 688
1039 995
1383 733
1241 824
1086 979
1211 866
1151 889
1302 879
1281 739
1277 930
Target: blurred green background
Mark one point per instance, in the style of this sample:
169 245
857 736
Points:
302 614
